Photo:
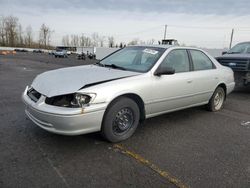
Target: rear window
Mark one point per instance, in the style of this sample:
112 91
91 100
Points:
200 60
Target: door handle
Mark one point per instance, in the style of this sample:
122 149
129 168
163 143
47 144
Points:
189 81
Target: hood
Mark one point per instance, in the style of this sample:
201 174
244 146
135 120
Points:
231 56
69 80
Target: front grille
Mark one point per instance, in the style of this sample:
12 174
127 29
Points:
235 64
33 95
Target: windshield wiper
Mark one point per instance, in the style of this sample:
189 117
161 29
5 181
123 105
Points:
99 64
233 52
115 66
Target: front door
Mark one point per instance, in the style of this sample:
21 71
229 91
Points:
174 91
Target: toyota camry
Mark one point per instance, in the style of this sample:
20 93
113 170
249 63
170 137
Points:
125 88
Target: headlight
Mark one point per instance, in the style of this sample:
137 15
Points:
75 100
80 100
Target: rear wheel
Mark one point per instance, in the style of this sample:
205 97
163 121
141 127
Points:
121 120
217 100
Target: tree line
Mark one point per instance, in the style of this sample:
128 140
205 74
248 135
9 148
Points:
94 39
12 34
98 40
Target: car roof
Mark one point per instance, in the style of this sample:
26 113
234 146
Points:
243 42
155 46
168 46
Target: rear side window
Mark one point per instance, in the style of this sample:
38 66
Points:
200 60
178 60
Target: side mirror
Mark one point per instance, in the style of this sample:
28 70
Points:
224 52
164 71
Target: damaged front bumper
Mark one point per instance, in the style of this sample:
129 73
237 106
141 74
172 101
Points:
63 120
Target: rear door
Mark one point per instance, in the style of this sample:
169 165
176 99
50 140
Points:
204 76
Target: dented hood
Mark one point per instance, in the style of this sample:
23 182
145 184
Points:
69 80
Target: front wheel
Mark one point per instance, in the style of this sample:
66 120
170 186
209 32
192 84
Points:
217 100
120 120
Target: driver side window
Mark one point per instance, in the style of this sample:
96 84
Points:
178 60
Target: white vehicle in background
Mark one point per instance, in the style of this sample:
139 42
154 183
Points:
69 49
61 53
52 52
69 52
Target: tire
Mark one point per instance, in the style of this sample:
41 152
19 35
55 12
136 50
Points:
120 120
217 100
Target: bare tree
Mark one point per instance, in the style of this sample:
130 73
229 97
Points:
20 39
65 40
95 39
88 41
12 34
111 41
82 40
29 36
121 45
11 23
85 41
102 40
134 42
74 40
2 31
151 41
45 35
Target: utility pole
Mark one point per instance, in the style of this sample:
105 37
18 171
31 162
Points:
231 40
165 32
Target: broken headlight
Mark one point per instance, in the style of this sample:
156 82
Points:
75 100
80 100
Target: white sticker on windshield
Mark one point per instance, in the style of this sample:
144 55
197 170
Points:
150 51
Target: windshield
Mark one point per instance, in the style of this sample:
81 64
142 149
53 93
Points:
240 48
138 59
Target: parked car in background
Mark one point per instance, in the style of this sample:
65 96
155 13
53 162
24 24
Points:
52 52
61 53
69 52
38 51
238 59
81 56
91 56
126 87
20 50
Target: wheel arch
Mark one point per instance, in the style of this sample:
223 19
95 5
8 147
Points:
224 86
138 100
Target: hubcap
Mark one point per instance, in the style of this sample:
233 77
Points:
218 100
123 121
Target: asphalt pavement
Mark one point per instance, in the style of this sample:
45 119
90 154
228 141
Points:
190 148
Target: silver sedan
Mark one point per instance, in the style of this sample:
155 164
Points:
126 87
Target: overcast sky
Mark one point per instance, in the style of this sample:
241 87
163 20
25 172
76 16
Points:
204 23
